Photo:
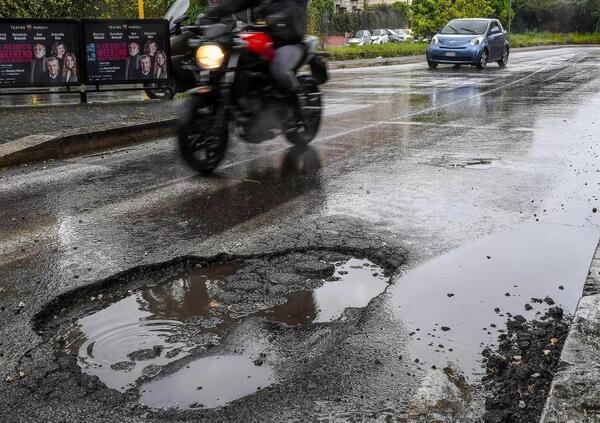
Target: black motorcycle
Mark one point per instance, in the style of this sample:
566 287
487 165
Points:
235 95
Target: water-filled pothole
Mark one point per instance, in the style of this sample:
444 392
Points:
459 162
162 339
455 305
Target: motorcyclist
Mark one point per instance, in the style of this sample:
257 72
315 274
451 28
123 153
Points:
286 24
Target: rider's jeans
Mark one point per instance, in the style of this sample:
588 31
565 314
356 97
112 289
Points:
284 64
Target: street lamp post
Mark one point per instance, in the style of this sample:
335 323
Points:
509 14
141 9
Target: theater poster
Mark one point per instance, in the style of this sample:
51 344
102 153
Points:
126 51
39 53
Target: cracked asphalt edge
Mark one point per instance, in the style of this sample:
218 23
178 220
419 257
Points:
574 392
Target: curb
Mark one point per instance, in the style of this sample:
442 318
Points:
41 147
574 395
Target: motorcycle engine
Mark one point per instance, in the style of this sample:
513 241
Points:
260 115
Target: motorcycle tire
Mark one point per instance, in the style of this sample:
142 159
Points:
202 140
311 114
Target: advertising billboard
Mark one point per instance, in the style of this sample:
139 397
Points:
126 51
39 53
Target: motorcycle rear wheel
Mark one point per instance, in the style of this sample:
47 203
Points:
202 139
311 114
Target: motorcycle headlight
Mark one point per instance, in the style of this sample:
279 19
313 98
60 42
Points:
210 56
476 41
435 40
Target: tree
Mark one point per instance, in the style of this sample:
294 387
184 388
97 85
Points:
48 9
76 9
429 15
318 13
558 15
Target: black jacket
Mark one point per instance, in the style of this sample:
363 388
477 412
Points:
286 19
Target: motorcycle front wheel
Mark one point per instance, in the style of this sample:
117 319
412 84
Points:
203 133
312 109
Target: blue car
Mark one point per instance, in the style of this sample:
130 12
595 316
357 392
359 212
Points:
475 42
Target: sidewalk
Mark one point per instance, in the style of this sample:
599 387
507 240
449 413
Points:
67 119
574 394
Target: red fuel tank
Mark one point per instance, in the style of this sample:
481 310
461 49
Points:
259 43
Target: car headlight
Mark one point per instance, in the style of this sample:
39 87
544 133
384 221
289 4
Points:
477 40
435 40
210 56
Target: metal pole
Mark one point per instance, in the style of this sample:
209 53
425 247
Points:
509 14
83 96
141 9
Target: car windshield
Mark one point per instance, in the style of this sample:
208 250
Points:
465 27
357 34
378 32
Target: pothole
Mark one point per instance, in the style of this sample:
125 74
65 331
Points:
164 340
468 163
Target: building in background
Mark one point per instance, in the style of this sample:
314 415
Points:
348 5
358 5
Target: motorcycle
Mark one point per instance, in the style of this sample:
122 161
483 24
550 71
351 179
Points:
182 76
235 95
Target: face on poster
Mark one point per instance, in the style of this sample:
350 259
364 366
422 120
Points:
122 51
38 53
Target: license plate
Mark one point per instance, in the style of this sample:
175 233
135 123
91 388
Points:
451 54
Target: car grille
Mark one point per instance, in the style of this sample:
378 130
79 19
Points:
460 57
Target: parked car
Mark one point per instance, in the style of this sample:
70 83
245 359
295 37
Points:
359 38
398 35
380 36
474 42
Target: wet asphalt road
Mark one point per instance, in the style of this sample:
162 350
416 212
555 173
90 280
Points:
440 160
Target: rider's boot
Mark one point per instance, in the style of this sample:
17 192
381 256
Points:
296 120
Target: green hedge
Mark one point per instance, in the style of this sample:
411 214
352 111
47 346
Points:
547 38
414 49
373 51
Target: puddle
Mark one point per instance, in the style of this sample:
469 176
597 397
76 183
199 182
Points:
455 304
131 339
469 163
354 284
208 382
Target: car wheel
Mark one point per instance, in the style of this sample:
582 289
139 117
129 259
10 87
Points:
504 61
483 59
432 65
